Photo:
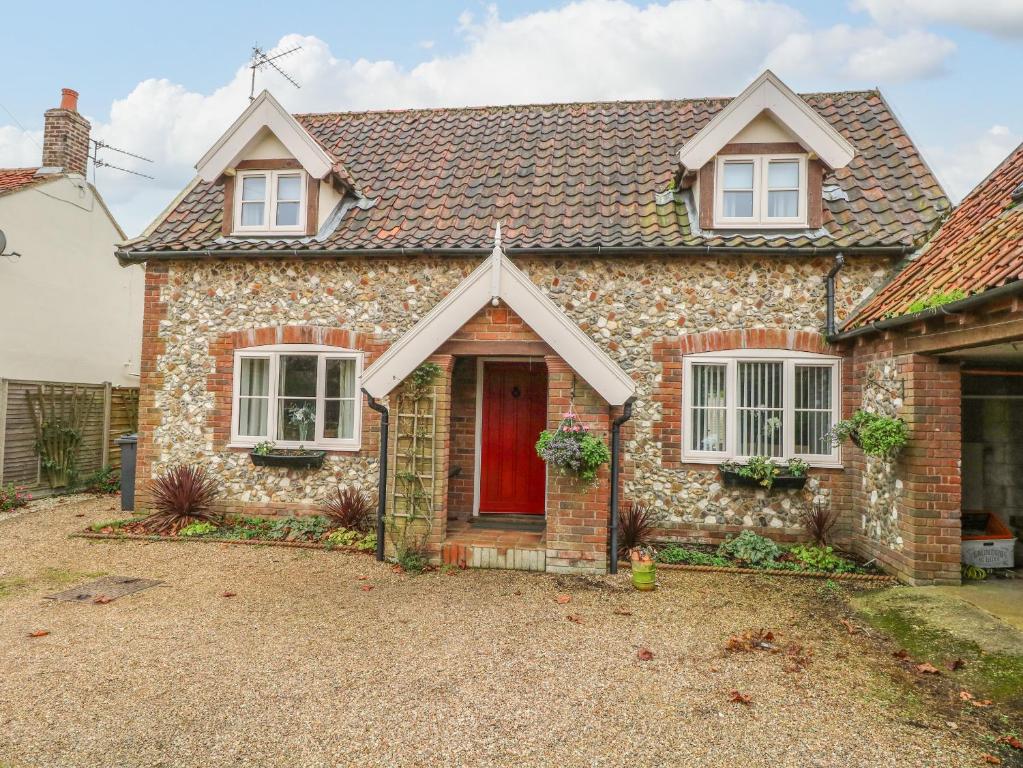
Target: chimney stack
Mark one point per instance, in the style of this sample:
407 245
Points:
66 136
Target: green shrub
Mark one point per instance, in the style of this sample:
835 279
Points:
412 560
305 527
936 300
13 496
750 549
677 554
104 480
877 435
821 559
202 528
367 543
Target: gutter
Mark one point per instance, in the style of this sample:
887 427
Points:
385 420
830 280
595 250
952 308
616 439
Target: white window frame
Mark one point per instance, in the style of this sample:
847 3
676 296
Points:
269 224
759 219
731 359
273 353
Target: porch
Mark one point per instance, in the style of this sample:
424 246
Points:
506 542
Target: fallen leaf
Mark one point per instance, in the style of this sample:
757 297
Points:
39 633
517 592
397 569
981 703
644 654
622 612
965 695
229 594
80 515
927 669
366 587
575 618
715 669
759 640
902 653
361 578
1012 741
563 599
992 760
740 698
102 600
851 628
957 664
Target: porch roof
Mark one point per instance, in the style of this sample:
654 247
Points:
499 279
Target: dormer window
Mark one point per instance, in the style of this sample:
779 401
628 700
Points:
270 201
761 191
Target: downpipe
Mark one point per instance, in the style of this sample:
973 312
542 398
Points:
385 421
616 440
830 280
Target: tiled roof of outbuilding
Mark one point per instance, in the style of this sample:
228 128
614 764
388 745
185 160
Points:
979 247
569 175
13 179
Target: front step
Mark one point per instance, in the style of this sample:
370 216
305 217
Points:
484 556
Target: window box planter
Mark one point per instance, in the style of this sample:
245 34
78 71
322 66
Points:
732 479
290 458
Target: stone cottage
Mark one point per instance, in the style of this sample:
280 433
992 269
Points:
666 271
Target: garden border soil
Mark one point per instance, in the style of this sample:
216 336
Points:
217 540
877 578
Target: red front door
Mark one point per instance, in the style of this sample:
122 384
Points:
512 477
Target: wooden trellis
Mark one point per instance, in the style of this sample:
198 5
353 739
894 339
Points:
414 457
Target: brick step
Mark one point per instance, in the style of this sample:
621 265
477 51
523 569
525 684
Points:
484 556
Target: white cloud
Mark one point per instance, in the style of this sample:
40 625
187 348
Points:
19 148
1003 18
962 167
587 50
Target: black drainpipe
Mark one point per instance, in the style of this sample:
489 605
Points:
385 420
616 440
839 263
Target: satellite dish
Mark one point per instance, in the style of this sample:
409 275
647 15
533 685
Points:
3 241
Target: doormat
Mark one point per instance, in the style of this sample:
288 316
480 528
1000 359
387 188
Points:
104 590
505 522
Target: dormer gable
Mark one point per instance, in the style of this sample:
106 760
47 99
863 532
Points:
759 164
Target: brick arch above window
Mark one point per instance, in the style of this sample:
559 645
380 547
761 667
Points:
755 338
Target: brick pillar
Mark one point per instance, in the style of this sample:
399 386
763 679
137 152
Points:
929 467
577 512
151 380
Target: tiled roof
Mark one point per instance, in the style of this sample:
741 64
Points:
567 175
979 247
13 179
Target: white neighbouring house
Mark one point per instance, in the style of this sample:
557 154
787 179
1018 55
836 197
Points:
68 311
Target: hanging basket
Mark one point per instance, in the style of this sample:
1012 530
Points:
572 449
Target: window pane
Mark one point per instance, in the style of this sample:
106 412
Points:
783 174
339 419
252 214
813 409
783 204
340 378
296 419
289 188
255 376
708 415
738 204
287 214
298 376
760 409
254 188
738 176
252 413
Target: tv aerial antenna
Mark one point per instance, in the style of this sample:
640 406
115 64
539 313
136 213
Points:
97 162
262 60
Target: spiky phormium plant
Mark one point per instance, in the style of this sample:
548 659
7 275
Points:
181 496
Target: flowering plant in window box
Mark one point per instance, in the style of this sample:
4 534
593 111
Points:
573 449
762 472
266 454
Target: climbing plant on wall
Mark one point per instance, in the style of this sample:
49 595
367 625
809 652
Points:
59 415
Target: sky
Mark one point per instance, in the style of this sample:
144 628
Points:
165 80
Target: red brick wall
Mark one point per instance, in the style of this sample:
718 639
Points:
463 438
150 380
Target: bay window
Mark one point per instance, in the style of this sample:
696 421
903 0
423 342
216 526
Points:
297 395
760 190
270 201
744 403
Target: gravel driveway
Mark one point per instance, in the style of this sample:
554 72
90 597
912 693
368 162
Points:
305 667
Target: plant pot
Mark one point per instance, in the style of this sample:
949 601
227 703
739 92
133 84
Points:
644 575
732 479
289 458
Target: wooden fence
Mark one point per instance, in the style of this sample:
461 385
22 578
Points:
114 413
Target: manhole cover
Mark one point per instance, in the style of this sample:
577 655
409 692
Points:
104 590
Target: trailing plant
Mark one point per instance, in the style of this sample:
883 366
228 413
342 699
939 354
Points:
106 480
677 554
818 520
571 448
421 379
936 300
349 508
13 496
821 558
198 529
181 496
636 524
345 537
751 548
264 448
60 413
797 468
881 436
